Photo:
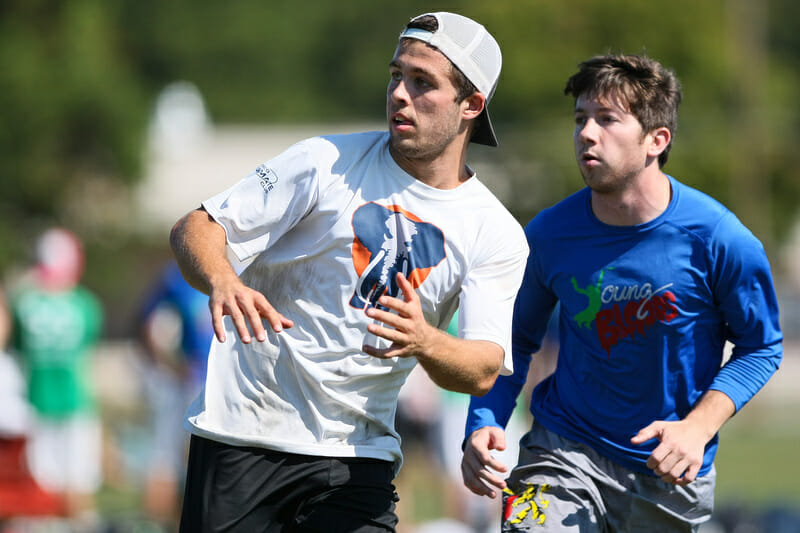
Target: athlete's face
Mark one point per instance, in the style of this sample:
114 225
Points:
610 146
424 117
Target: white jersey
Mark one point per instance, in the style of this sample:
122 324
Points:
323 229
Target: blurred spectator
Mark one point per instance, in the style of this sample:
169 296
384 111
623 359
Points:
20 495
57 324
175 330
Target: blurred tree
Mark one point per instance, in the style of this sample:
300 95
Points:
72 111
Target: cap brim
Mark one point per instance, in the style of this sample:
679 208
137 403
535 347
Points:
484 131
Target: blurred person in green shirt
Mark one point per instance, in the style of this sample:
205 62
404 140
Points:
57 323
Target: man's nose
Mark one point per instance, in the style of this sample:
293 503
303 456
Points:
398 92
587 132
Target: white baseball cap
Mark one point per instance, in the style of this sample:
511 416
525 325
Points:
474 52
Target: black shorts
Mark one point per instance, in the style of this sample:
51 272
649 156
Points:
254 490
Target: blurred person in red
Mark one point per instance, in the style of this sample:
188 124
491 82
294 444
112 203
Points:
57 323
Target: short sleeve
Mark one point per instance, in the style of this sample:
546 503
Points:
267 203
489 291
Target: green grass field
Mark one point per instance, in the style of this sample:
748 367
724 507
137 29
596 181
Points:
758 462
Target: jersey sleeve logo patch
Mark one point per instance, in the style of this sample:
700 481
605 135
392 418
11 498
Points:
389 240
267 176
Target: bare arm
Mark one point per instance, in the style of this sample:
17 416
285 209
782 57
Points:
679 456
454 364
198 243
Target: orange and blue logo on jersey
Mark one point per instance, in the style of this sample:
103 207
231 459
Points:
389 240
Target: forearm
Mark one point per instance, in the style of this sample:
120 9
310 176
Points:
468 366
198 244
746 372
711 412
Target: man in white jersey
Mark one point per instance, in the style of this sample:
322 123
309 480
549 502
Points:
354 252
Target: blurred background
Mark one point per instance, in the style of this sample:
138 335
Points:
117 117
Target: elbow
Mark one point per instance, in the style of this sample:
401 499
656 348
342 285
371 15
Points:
483 387
485 381
176 235
186 228
472 385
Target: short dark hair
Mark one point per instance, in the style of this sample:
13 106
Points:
464 87
651 92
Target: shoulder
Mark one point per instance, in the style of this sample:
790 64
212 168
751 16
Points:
328 153
347 144
491 214
695 204
333 147
732 249
707 218
560 218
87 297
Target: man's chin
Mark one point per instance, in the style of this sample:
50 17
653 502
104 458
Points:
402 147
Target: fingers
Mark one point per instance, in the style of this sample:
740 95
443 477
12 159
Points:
406 305
674 463
247 308
664 460
240 314
689 476
404 285
670 468
395 322
216 321
382 353
478 466
277 321
403 325
650 432
676 467
481 481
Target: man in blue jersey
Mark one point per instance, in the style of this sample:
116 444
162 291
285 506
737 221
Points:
651 278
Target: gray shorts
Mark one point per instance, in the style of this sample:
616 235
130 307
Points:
562 485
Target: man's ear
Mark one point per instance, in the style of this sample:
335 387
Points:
473 105
659 140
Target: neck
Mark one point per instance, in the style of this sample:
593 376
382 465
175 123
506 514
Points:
644 199
445 170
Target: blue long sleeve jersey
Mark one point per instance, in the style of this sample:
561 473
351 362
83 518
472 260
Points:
643 318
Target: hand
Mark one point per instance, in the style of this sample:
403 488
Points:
679 456
244 305
407 329
478 460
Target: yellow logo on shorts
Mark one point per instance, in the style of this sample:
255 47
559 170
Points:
517 507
